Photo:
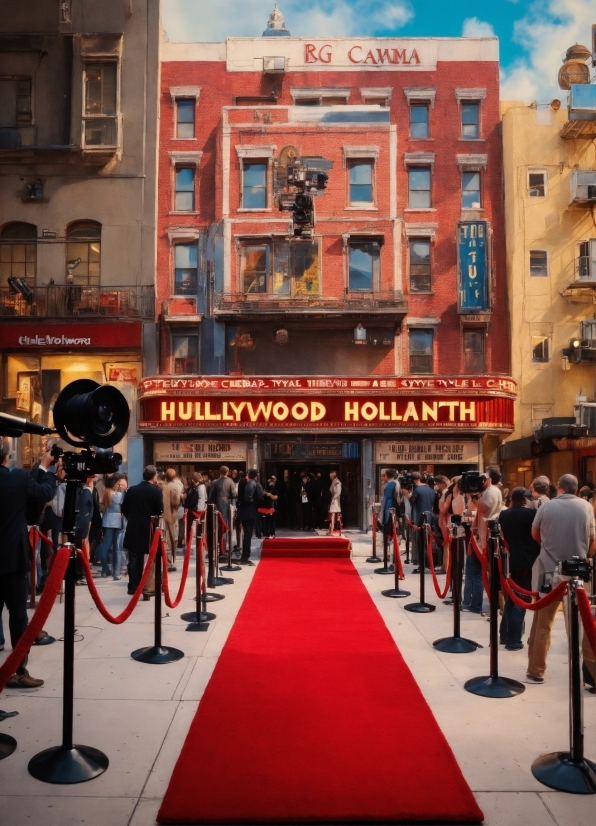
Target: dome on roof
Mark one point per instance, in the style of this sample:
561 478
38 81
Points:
578 52
276 26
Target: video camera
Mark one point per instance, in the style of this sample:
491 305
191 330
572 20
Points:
405 480
306 177
472 481
578 567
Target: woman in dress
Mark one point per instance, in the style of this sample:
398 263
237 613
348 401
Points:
335 506
112 527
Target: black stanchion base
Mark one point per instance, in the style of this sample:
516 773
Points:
211 597
223 580
396 593
60 765
501 687
203 616
456 645
389 570
157 656
559 771
374 559
230 567
420 607
7 745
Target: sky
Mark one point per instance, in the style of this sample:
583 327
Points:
533 34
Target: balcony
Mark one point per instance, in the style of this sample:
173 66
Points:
582 113
80 302
388 305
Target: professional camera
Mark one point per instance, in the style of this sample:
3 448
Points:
472 481
405 480
578 567
309 174
306 177
430 480
87 463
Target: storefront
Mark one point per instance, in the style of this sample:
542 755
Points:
40 359
288 425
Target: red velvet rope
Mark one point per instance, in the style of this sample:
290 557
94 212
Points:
166 584
411 524
431 562
396 553
483 561
517 587
589 623
556 594
122 617
46 602
45 539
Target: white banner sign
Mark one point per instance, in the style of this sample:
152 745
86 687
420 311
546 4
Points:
206 450
425 451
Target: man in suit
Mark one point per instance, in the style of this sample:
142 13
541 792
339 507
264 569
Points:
17 487
141 502
171 503
249 493
223 490
390 493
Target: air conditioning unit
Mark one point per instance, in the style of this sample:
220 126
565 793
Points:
583 187
274 65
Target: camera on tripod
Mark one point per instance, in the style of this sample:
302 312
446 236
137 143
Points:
406 480
306 177
472 481
578 567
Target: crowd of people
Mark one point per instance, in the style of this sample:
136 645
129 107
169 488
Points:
540 528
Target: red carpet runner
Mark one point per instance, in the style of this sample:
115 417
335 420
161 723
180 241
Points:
311 715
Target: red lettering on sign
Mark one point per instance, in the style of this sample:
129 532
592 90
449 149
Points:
351 56
309 53
325 56
370 58
414 57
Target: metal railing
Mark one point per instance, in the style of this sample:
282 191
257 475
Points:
261 303
80 302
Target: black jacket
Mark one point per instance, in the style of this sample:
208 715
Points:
84 514
17 486
140 503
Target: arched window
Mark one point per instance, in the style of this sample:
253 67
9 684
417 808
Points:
18 252
83 252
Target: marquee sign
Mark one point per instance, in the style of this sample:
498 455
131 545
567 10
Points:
442 451
200 450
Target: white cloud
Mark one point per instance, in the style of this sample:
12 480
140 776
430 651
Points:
206 21
545 33
473 27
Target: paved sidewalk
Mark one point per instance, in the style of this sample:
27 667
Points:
139 714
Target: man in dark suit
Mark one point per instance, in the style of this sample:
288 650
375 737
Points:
141 502
222 492
17 487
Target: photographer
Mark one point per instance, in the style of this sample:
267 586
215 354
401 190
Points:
422 499
564 527
17 487
487 504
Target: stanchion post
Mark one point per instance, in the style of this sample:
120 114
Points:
421 607
569 771
494 685
456 644
32 600
229 566
387 568
375 524
157 654
396 592
198 617
210 517
219 580
407 538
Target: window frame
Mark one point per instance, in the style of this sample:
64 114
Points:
414 330
535 342
417 168
24 122
10 243
254 162
79 226
178 167
411 240
277 248
184 243
537 274
352 244
188 334
479 190
544 182
466 102
92 60
193 102
420 104
352 162
477 370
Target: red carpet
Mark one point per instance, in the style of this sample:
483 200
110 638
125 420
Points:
311 715
322 546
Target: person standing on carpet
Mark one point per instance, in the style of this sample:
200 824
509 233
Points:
335 505
141 503
221 493
390 497
249 493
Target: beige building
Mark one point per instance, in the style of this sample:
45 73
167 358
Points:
78 130
550 204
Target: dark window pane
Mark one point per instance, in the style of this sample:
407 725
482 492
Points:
470 195
100 88
254 268
474 351
536 187
419 265
538 262
254 186
185 118
421 351
419 120
540 348
363 266
361 183
185 269
470 119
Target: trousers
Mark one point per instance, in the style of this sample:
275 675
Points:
136 565
14 593
248 527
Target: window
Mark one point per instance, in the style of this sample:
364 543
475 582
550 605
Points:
101 104
470 119
419 187
185 269
15 101
536 184
364 266
254 185
254 267
539 262
421 351
419 254
470 190
361 182
419 120
474 351
18 253
185 118
280 268
185 189
540 348
185 355
83 251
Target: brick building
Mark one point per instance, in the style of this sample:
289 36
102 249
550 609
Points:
385 317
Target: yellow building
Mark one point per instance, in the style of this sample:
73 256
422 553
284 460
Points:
550 203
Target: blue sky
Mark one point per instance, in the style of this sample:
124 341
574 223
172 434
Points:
533 34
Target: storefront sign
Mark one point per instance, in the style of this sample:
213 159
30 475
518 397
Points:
69 335
394 411
473 265
200 451
126 372
427 450
304 450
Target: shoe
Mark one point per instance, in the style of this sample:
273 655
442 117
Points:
247 562
589 683
1 646
471 611
43 638
485 614
104 576
440 571
116 578
23 680
517 647
129 592
531 679
172 568
146 597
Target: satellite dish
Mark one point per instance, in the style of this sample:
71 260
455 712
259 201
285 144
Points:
287 155
574 71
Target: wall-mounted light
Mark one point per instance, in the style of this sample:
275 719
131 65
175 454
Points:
360 334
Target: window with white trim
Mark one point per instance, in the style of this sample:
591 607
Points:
470 119
419 264
185 188
361 182
419 119
364 265
536 184
470 190
100 119
539 263
277 267
186 268
254 184
421 342
419 187
185 117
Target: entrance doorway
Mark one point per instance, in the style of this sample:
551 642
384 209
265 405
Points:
289 483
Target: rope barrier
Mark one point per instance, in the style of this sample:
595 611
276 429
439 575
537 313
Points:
588 621
411 524
396 553
124 615
481 556
166 587
431 562
556 594
44 606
